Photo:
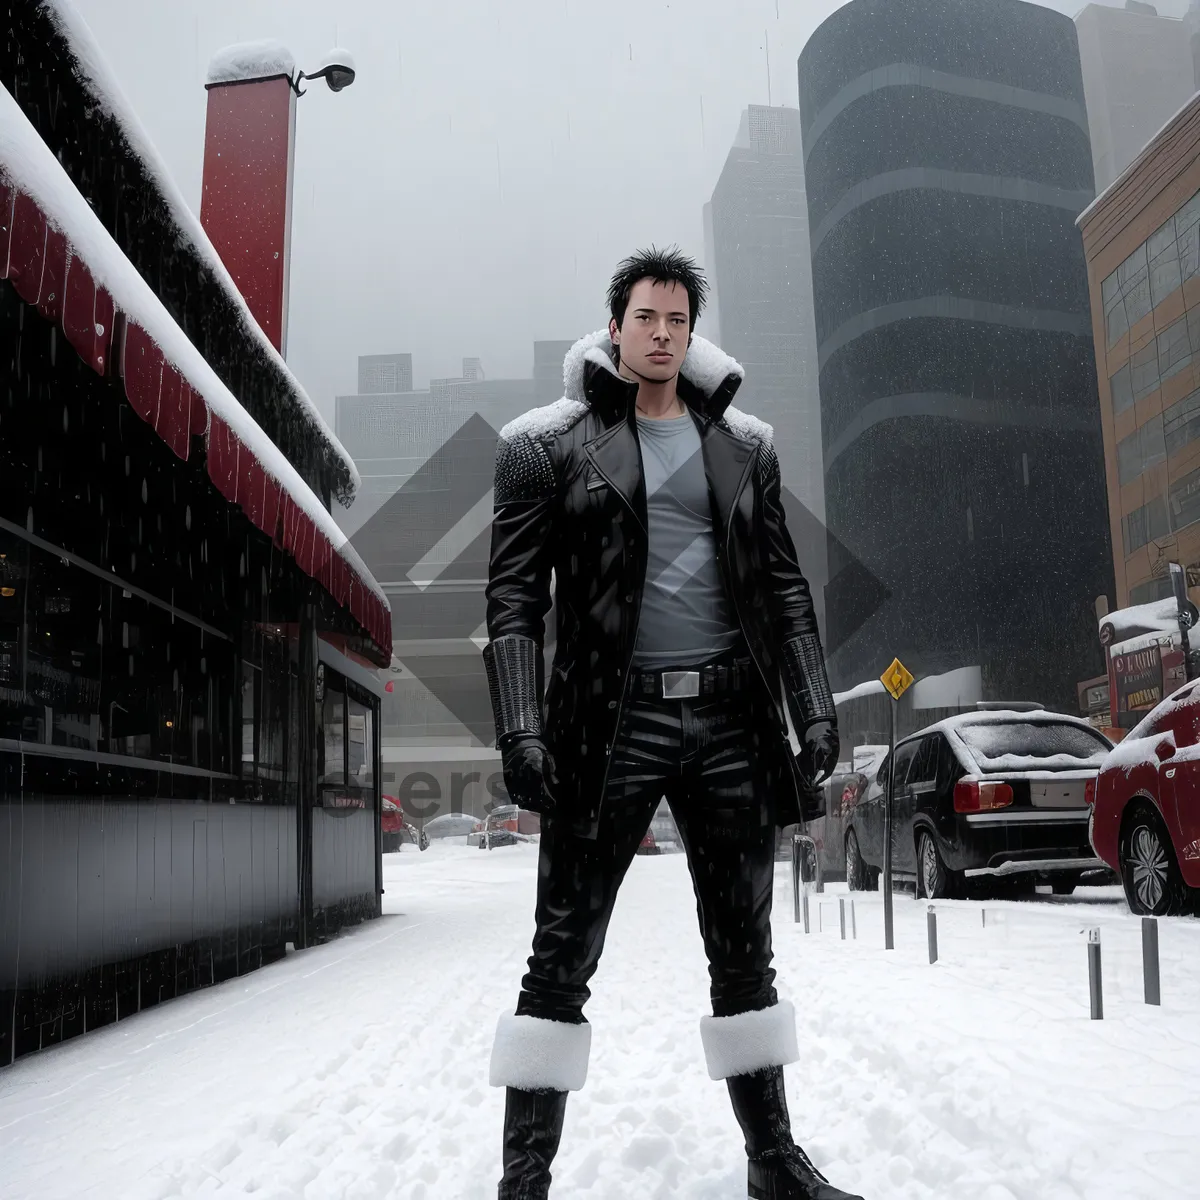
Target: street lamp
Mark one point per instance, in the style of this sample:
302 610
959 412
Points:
337 69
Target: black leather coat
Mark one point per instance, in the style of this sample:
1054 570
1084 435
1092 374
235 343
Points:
570 502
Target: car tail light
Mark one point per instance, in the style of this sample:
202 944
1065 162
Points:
1089 791
972 795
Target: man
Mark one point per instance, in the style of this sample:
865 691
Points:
681 615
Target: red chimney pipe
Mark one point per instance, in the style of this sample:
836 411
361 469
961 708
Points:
249 154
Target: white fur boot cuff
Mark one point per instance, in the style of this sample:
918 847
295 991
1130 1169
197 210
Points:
750 1041
532 1053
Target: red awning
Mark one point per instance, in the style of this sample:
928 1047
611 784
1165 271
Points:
48 274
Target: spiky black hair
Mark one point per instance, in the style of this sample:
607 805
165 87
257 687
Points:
663 266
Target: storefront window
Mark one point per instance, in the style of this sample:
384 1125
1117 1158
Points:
361 745
87 665
332 768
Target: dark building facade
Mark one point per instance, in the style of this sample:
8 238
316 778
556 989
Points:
189 703
946 159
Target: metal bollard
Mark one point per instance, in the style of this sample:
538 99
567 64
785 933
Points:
983 914
1150 960
842 915
931 923
1095 984
804 902
796 881
853 921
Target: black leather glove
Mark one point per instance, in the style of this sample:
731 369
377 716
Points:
529 772
819 751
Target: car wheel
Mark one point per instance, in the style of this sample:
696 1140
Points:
1153 884
933 878
857 872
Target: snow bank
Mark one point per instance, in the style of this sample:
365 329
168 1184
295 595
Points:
28 165
953 689
94 72
250 60
872 687
358 1068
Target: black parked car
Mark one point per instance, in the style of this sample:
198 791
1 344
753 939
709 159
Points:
983 796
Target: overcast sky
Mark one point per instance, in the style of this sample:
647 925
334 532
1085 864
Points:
494 159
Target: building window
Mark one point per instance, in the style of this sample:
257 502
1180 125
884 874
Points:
1181 423
86 665
1142 449
1143 369
1152 589
1163 251
1174 349
1158 267
1122 389
1144 525
1184 500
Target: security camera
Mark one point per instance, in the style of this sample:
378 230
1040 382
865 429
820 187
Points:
337 69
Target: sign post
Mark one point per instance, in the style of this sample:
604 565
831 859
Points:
897 679
1187 614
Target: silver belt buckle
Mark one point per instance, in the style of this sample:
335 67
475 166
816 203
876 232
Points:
680 685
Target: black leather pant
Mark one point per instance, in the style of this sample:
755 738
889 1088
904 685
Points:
704 755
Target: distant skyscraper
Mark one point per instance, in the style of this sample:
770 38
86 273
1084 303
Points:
763 271
756 244
384 374
709 325
1137 73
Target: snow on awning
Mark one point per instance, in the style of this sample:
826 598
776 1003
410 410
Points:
94 73
62 260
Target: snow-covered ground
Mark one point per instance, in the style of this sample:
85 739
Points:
358 1069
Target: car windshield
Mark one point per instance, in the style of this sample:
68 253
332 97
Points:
1012 745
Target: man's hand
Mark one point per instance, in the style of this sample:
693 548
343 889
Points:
529 773
819 752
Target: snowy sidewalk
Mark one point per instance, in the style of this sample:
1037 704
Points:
359 1069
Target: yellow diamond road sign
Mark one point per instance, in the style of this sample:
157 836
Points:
897 679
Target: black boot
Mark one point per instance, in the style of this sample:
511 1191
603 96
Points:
778 1169
533 1124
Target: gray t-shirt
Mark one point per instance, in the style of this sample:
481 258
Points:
686 617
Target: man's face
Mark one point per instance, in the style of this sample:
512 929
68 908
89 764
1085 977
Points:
654 336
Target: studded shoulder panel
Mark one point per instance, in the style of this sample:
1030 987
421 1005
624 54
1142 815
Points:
524 469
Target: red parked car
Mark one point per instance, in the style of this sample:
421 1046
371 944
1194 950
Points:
1145 820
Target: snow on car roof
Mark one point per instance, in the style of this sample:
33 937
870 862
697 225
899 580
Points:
980 762
93 71
1158 616
29 165
1139 743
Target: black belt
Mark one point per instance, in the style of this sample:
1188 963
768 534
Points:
721 678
